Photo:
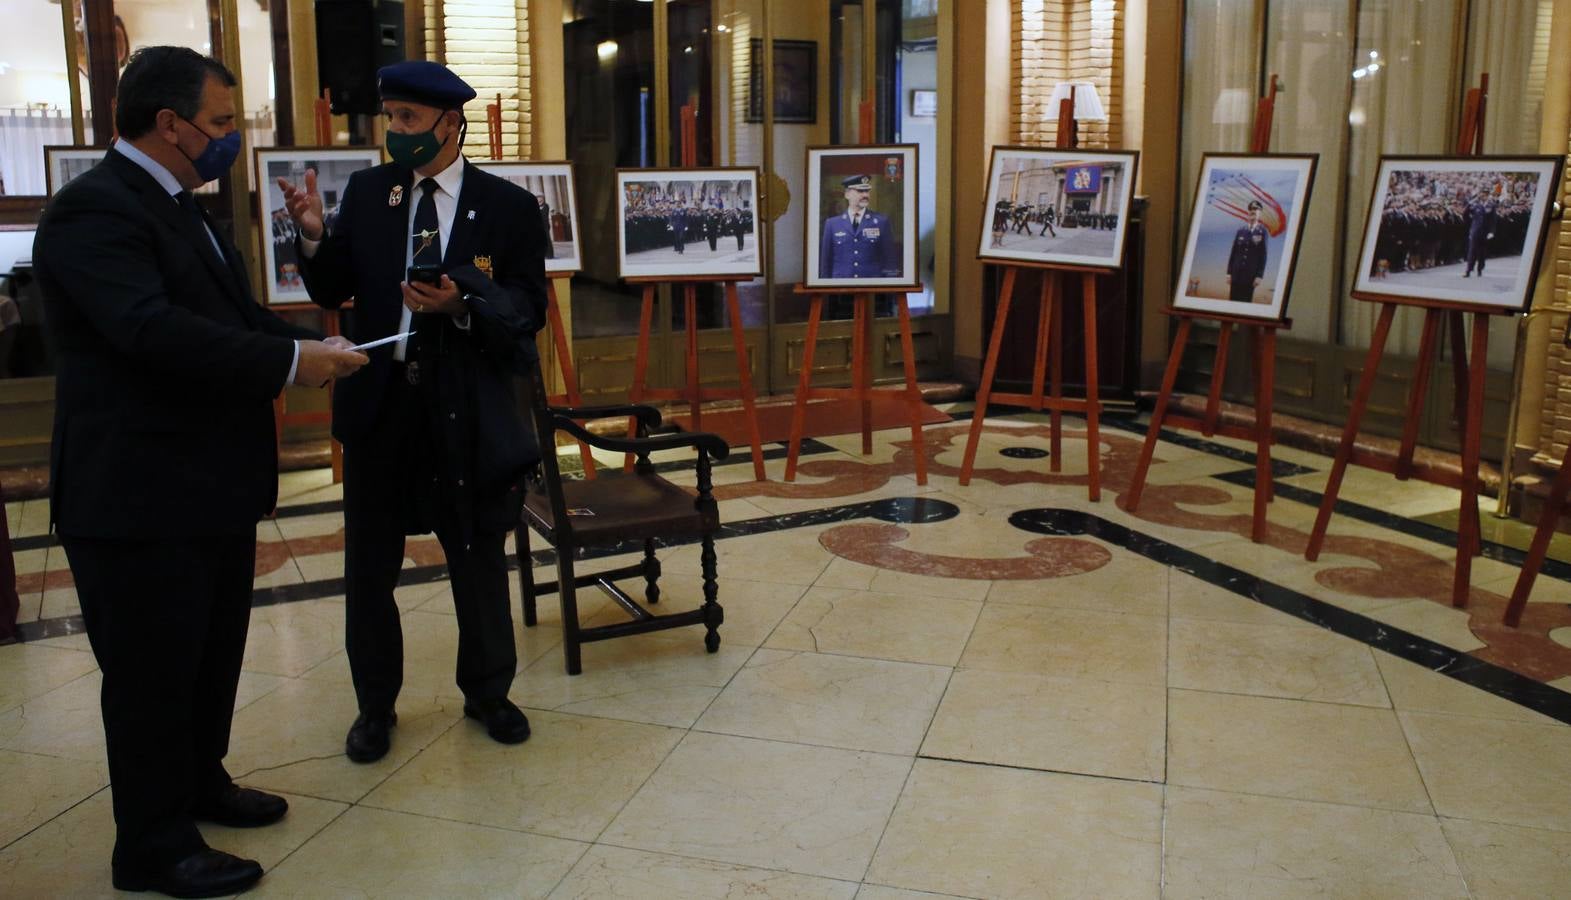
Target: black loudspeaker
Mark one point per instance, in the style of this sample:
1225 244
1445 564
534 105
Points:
354 38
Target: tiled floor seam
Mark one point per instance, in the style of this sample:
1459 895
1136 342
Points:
22 837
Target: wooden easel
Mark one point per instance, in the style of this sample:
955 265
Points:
1264 364
861 389
1554 504
1049 342
330 328
1469 374
692 391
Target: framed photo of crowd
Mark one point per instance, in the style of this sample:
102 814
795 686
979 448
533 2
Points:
1464 230
552 185
333 165
861 216
1244 233
1058 207
63 162
683 222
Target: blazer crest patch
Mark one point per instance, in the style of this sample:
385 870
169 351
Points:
483 263
396 195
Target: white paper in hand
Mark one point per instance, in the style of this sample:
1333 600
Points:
380 341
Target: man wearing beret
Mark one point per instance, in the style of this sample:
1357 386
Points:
432 437
857 243
1246 262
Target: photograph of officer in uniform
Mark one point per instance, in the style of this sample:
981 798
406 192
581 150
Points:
673 221
858 243
1244 231
861 225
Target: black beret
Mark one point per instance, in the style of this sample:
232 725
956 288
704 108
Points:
425 82
858 183
1255 204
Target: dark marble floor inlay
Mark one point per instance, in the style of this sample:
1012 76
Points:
1023 452
1463 667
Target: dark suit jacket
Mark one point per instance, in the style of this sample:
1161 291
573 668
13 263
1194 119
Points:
167 366
468 375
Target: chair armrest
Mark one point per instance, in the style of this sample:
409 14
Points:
647 416
711 445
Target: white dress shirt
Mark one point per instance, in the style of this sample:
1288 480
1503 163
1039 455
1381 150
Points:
168 182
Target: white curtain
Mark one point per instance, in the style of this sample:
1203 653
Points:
23 135
1221 84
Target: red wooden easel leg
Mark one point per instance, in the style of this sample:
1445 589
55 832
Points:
1044 337
1553 505
1056 438
640 366
1427 344
861 364
1169 378
745 374
1468 538
1224 338
804 386
1265 367
564 362
913 391
1458 364
694 390
1344 451
1093 396
989 369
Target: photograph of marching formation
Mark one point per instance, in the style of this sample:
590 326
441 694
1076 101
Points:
333 166
63 162
1459 229
861 216
552 185
679 222
1243 234
1058 206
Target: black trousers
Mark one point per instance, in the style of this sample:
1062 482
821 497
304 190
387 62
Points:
382 485
167 620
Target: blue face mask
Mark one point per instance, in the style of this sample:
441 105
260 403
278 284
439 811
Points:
217 157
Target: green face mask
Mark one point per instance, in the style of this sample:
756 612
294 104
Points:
414 150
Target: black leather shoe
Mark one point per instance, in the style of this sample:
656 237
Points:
205 873
239 807
368 738
505 722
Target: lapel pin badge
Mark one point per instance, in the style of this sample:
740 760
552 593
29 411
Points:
396 196
471 215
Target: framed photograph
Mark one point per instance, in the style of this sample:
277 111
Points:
333 165
1244 232
924 104
1457 229
796 81
684 222
552 185
861 216
1065 207
64 162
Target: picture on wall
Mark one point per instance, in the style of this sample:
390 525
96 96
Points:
796 81
1244 231
64 162
333 166
684 222
1065 207
552 185
1457 229
861 216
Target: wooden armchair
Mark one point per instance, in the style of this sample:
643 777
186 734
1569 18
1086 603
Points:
615 509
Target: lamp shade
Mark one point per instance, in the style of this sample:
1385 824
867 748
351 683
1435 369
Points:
1088 106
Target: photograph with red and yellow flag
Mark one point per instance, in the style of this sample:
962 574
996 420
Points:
1243 234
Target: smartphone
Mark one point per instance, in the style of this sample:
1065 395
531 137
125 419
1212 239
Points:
425 274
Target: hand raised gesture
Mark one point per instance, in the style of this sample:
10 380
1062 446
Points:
304 205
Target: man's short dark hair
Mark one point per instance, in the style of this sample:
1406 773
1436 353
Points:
163 78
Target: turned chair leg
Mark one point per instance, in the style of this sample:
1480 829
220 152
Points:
713 613
568 592
651 573
526 574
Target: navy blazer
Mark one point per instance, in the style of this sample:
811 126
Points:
166 366
495 252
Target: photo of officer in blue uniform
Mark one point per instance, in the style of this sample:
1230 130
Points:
858 243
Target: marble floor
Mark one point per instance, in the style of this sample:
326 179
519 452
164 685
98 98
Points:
996 690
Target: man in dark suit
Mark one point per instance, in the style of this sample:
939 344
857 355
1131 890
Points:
432 437
1246 261
164 459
